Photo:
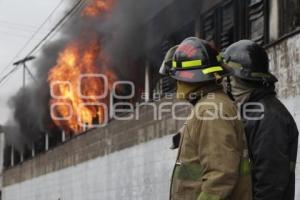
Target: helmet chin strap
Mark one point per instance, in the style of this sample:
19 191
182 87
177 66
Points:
218 78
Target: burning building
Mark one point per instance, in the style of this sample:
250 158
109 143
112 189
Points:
54 149
76 74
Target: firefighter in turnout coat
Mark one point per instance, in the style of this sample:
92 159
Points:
212 161
271 130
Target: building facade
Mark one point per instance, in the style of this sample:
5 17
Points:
131 159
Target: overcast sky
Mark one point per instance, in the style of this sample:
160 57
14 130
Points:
19 19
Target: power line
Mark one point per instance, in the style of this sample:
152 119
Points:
5 78
80 6
31 38
71 12
60 22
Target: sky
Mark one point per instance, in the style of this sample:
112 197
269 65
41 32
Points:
19 20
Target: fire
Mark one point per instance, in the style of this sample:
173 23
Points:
72 96
98 7
74 89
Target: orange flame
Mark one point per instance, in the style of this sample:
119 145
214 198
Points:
98 7
81 58
78 59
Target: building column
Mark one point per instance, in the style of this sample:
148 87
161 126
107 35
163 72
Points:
47 142
147 82
33 150
63 136
12 156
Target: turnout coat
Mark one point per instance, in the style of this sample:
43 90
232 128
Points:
212 161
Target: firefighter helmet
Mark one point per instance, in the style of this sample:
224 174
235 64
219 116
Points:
167 62
195 60
249 61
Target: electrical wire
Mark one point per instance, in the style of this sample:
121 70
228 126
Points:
31 38
79 8
56 27
54 30
4 79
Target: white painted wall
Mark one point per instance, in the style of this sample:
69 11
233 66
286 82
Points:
139 173
2 144
293 105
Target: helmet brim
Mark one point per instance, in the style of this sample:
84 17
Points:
195 75
165 68
257 77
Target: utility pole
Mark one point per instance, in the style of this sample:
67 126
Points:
25 68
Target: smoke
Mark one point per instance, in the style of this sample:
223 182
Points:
133 32
13 135
30 105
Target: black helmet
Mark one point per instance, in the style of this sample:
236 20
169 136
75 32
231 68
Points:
195 60
249 61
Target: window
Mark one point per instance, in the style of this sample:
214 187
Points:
256 16
289 16
219 24
227 24
209 26
233 20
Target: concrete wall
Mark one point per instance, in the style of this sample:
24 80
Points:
140 172
285 64
125 160
2 144
293 104
118 135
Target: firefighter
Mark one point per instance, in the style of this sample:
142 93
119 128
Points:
166 65
271 131
212 161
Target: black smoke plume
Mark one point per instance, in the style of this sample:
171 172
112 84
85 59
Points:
135 31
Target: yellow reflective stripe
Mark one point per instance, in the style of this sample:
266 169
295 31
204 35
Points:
174 64
192 63
188 171
188 64
207 196
212 69
245 167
